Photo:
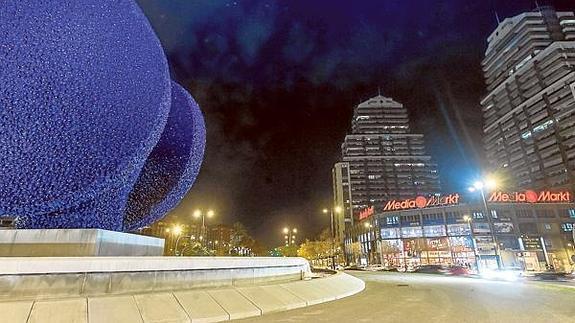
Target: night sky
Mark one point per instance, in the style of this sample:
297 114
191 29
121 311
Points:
278 80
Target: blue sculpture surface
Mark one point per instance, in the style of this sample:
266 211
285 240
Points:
93 133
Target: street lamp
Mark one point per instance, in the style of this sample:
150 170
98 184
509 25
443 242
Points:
289 233
468 219
176 230
199 213
337 210
368 227
481 186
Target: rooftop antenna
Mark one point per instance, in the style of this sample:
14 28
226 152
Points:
537 5
495 12
379 91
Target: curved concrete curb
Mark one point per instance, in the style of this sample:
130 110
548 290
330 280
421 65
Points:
185 306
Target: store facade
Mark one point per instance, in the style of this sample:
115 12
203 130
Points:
508 232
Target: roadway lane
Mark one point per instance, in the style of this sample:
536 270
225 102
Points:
397 297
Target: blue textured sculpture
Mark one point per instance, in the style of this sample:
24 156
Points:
93 134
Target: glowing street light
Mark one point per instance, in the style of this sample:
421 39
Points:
337 210
489 183
177 230
289 233
199 213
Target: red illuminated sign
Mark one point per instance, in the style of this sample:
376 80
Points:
366 213
422 202
530 196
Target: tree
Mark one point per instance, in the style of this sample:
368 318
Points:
196 249
288 251
241 243
239 235
314 250
355 250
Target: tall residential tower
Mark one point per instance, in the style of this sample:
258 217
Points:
529 111
382 159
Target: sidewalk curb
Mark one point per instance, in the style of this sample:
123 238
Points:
186 306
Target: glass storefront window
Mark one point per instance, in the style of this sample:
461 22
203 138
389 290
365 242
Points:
437 244
460 229
391 247
503 227
461 244
434 231
479 227
389 233
411 232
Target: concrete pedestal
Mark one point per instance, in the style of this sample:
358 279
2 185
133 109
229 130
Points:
76 243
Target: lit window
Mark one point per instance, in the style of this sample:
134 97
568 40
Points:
526 135
543 126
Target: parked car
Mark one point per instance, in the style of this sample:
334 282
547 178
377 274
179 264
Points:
458 271
555 276
430 269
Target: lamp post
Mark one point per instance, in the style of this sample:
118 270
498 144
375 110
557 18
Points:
337 210
289 235
199 213
368 226
481 186
176 231
468 219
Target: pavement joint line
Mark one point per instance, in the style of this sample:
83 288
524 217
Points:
220 305
87 310
30 311
249 300
183 308
296 296
137 307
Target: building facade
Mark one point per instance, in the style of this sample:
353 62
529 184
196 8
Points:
7 223
343 220
510 231
381 160
529 110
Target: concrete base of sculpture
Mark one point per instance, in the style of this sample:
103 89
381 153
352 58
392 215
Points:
76 243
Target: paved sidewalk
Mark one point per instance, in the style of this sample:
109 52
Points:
199 305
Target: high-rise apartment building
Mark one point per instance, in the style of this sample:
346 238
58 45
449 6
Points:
529 111
382 160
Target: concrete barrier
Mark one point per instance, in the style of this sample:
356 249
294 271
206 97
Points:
76 243
39 277
213 305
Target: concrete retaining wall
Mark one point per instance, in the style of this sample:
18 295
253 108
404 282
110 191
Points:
40 278
76 243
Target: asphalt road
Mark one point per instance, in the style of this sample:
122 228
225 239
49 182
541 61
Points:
397 297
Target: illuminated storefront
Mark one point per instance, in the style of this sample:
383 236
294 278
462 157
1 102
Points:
523 232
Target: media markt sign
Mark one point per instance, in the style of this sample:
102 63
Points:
422 202
530 196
